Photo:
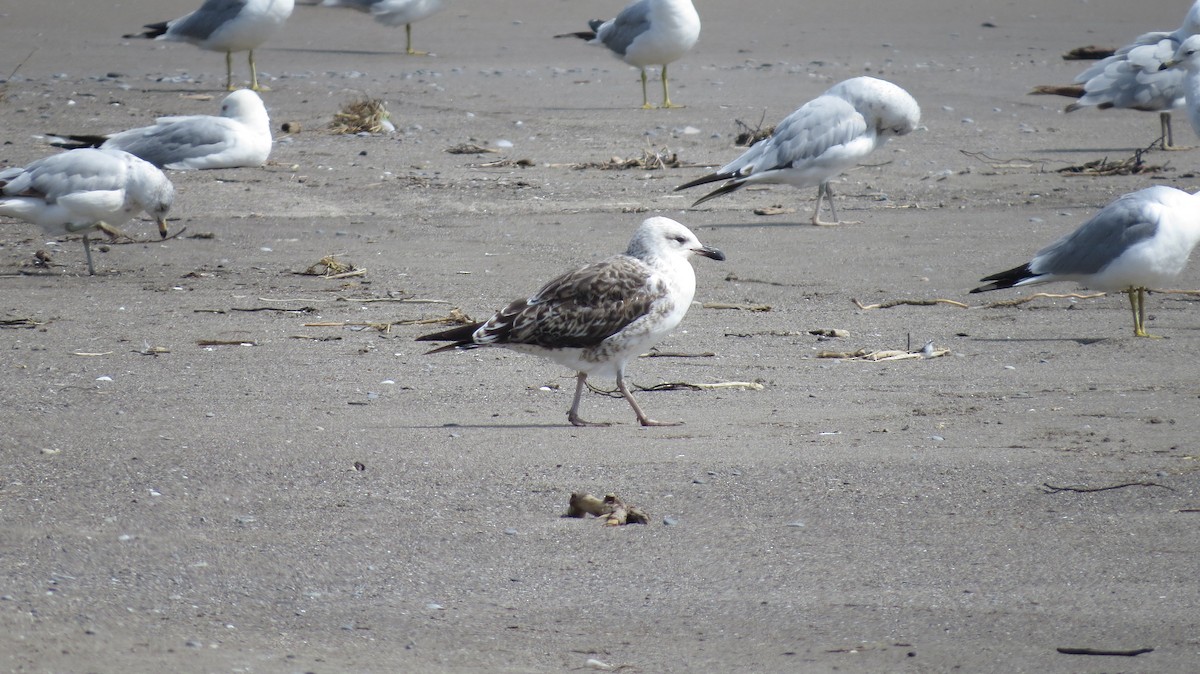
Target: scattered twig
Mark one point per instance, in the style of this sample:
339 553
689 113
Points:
685 386
1053 489
124 239
14 323
401 300
1030 298
297 310
1068 90
777 209
226 342
614 511
91 354
471 148
4 87
1103 651
743 307
1133 165
882 355
676 354
650 159
916 303
506 163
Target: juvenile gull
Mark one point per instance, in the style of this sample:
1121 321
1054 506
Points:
395 12
823 138
77 190
228 26
596 318
240 136
1131 78
1140 241
645 33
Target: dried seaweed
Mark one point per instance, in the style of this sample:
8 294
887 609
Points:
331 268
364 115
748 136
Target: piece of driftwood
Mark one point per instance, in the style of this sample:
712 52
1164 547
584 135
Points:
611 508
1089 52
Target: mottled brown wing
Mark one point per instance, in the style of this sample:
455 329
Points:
578 309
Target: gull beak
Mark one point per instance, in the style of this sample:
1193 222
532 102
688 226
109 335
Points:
710 252
1168 64
162 227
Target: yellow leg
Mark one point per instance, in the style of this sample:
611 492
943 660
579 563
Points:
254 75
1137 302
645 100
667 97
229 71
408 42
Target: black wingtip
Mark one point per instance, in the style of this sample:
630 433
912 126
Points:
152 31
1006 279
728 187
582 35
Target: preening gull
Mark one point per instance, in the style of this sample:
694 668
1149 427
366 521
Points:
646 33
1187 59
77 190
240 136
1140 241
823 138
596 318
394 13
228 26
1131 77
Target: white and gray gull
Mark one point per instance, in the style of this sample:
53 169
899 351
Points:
1142 240
646 33
226 26
395 13
239 136
820 140
83 189
598 317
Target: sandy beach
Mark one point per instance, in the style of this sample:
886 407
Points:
212 461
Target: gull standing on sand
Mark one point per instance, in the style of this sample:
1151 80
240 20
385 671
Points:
596 318
78 190
826 136
1140 241
228 26
1187 59
646 33
1131 78
395 12
240 136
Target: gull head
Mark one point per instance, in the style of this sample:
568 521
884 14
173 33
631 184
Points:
1186 57
664 237
244 105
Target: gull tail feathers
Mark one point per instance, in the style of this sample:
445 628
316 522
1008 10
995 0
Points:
1006 279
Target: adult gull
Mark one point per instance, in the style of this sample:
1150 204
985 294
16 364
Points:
820 140
394 13
1141 240
83 189
228 26
646 33
1133 78
596 318
239 136
1187 60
